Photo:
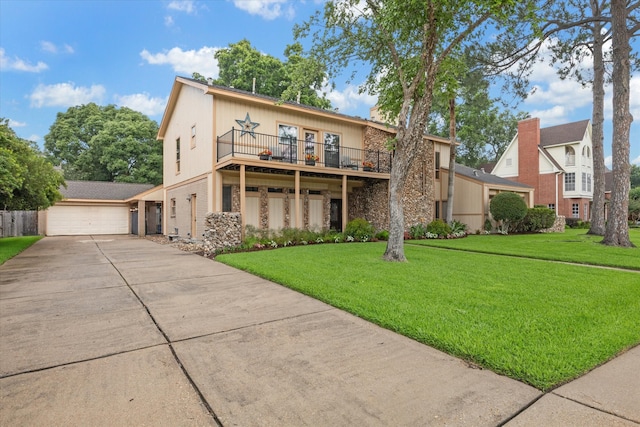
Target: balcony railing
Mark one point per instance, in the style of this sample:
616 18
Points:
237 143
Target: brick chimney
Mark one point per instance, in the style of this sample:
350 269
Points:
528 160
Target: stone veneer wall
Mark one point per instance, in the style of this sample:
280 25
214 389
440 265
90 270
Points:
558 225
222 230
371 201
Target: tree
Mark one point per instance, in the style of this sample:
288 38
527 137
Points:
27 180
404 45
617 229
508 208
298 79
105 143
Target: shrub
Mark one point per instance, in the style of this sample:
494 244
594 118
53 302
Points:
359 229
536 219
487 225
417 231
458 227
507 207
382 235
439 227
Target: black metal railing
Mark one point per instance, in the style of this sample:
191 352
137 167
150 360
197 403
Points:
237 142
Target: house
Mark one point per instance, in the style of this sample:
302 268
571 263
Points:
474 189
93 207
282 164
556 161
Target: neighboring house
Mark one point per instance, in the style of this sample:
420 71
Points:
474 189
556 161
282 164
94 207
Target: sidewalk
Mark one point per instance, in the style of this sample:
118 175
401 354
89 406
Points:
116 330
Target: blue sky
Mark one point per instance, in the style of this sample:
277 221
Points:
56 54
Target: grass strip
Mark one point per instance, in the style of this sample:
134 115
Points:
538 322
12 246
574 245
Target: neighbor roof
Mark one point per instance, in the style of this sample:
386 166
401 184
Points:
100 190
488 178
562 134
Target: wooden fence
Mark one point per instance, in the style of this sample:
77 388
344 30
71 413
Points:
18 223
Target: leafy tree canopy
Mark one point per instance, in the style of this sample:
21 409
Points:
635 176
298 79
28 180
105 143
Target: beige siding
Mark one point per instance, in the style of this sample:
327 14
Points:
253 210
182 219
276 212
315 213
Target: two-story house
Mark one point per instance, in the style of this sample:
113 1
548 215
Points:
282 164
556 161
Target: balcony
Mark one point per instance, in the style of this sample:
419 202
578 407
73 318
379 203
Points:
273 148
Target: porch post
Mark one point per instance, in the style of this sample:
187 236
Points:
296 199
345 205
142 212
243 198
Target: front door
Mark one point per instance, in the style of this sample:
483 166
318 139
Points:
310 141
335 215
194 220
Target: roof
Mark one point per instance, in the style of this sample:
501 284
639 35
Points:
562 134
479 175
101 190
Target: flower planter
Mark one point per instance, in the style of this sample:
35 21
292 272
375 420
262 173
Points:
264 157
367 169
310 162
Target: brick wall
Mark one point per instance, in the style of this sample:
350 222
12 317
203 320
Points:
528 160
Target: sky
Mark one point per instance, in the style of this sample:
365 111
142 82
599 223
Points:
56 54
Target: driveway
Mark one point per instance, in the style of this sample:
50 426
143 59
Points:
117 330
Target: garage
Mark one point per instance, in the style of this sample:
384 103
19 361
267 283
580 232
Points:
95 207
82 220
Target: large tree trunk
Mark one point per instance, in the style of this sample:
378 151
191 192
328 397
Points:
597 208
395 244
452 160
617 229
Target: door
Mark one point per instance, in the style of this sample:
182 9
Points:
194 219
335 215
310 141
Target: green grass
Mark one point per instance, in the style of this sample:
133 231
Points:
539 322
574 245
12 246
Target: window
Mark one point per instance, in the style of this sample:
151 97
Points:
586 182
589 182
178 155
288 139
226 198
172 206
193 136
332 149
585 212
570 182
437 166
575 210
569 156
586 152
552 206
437 211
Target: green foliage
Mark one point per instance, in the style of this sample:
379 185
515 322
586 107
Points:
12 246
507 207
95 143
487 225
27 180
439 227
417 231
634 204
577 223
299 78
360 229
537 218
635 176
382 235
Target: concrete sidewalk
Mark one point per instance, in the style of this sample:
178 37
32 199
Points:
116 330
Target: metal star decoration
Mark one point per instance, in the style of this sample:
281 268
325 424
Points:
247 126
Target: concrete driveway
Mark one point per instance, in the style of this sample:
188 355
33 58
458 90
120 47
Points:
121 331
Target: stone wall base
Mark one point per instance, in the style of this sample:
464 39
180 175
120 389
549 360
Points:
222 230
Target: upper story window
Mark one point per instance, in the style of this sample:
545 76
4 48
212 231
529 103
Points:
437 162
178 155
288 138
193 136
586 152
172 206
569 156
570 182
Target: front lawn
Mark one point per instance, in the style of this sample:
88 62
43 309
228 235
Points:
12 246
539 322
574 245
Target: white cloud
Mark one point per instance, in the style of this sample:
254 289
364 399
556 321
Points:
35 138
636 161
16 124
18 64
65 95
143 103
186 6
168 21
555 115
267 9
349 99
608 161
51 47
186 61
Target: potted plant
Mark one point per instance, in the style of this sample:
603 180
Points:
367 166
265 154
311 159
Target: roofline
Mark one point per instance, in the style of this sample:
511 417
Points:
144 193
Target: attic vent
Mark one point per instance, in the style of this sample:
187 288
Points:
475 173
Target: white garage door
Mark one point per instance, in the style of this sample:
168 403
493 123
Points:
81 220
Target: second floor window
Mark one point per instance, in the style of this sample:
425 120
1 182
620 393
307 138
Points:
437 165
177 155
193 136
570 182
569 156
